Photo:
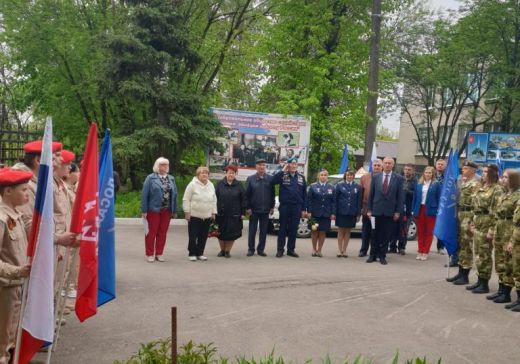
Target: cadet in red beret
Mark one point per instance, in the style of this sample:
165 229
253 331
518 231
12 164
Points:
36 146
13 245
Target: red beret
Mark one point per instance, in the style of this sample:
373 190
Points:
36 147
67 156
10 177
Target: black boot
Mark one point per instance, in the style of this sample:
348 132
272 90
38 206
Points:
473 286
483 288
456 276
463 279
497 293
505 297
515 303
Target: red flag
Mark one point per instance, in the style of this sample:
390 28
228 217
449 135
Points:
85 223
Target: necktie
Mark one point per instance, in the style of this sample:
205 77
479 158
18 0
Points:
385 184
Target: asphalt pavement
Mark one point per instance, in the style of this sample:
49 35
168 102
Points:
301 308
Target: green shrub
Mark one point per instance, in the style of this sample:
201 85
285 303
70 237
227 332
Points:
159 352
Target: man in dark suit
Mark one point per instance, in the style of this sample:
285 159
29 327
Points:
385 203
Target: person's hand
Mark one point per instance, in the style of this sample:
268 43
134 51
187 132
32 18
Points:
213 217
285 167
241 217
305 215
271 211
472 228
358 218
489 236
369 214
187 216
308 215
333 217
173 215
396 216
144 214
509 247
249 212
67 239
25 271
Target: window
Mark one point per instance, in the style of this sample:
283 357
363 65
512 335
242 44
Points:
473 83
448 97
423 140
461 134
429 97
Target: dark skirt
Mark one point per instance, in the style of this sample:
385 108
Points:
346 221
230 227
323 223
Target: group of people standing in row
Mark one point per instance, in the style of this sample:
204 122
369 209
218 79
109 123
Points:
489 225
384 199
17 200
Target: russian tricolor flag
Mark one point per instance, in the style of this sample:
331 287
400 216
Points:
38 316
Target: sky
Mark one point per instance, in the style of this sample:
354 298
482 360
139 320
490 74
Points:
391 121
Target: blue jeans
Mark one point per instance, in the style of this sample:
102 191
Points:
254 221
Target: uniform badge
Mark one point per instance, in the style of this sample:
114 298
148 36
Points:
355 190
318 190
11 224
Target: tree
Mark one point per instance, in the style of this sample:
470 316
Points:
317 61
441 83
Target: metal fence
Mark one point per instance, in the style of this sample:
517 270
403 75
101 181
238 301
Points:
12 140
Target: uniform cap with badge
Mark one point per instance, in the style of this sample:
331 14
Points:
468 163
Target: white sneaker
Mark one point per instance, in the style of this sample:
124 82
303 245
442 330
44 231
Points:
160 258
150 259
192 259
72 293
418 257
202 257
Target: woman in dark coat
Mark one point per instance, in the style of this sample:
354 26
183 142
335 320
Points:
231 205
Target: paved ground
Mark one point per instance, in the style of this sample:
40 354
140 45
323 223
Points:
303 308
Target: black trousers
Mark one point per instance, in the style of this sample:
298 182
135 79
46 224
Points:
400 238
385 228
198 234
366 234
255 220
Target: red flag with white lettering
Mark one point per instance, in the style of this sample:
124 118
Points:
85 223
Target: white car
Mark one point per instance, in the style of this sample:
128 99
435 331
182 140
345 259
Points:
304 230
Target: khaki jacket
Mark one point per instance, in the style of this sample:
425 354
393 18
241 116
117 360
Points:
13 246
62 207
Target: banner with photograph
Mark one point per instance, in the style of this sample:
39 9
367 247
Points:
253 135
502 148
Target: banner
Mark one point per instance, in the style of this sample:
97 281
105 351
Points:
446 227
38 315
106 246
85 224
255 135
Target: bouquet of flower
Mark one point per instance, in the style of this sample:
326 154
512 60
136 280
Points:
213 230
313 224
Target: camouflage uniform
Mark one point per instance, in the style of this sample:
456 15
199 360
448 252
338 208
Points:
465 215
484 202
502 235
516 247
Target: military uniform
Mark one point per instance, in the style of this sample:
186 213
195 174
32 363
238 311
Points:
484 203
292 204
515 239
13 250
465 216
321 203
502 232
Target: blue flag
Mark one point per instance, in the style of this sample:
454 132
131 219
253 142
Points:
373 157
446 227
106 245
344 161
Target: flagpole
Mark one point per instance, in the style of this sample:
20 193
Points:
61 307
58 302
19 329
